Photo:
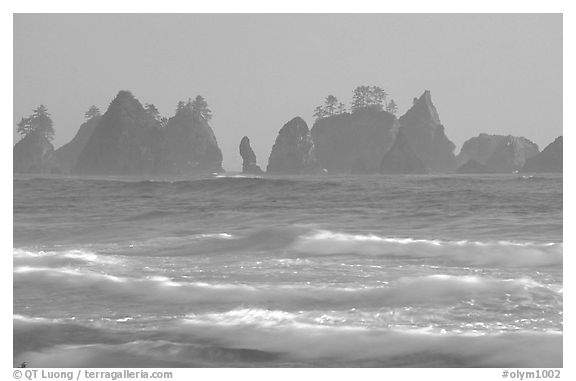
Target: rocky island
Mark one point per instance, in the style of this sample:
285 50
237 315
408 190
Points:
426 136
401 159
495 154
549 160
34 154
129 139
249 165
67 156
354 142
190 145
293 151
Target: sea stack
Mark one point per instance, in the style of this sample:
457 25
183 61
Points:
249 165
401 159
34 154
495 154
472 166
425 134
190 145
354 142
293 151
549 160
127 141
67 155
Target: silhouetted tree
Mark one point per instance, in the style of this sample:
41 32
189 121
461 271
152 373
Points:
319 113
24 126
330 105
377 97
92 112
360 98
392 107
39 121
368 96
200 107
152 111
180 105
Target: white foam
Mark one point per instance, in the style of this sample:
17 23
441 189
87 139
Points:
34 320
297 337
69 273
282 334
432 289
60 257
237 176
216 235
502 253
277 331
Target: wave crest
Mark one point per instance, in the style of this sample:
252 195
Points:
431 289
501 253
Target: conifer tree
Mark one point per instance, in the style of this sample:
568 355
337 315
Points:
92 112
200 108
39 121
392 107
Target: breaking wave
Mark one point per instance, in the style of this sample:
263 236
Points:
501 253
301 241
431 289
281 332
258 337
62 258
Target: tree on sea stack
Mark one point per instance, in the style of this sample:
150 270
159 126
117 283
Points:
200 107
152 110
368 96
392 107
331 104
377 97
319 113
40 121
360 98
92 112
331 107
180 106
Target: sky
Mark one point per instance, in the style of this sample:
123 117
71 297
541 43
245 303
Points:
492 73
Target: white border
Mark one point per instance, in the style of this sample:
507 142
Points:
300 6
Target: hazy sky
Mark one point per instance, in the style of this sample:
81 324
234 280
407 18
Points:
487 73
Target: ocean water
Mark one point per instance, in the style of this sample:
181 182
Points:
331 271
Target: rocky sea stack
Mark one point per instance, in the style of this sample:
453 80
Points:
425 134
190 144
127 141
472 166
34 154
496 153
401 159
549 160
354 142
249 164
293 150
67 155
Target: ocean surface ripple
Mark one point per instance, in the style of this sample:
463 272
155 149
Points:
331 271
